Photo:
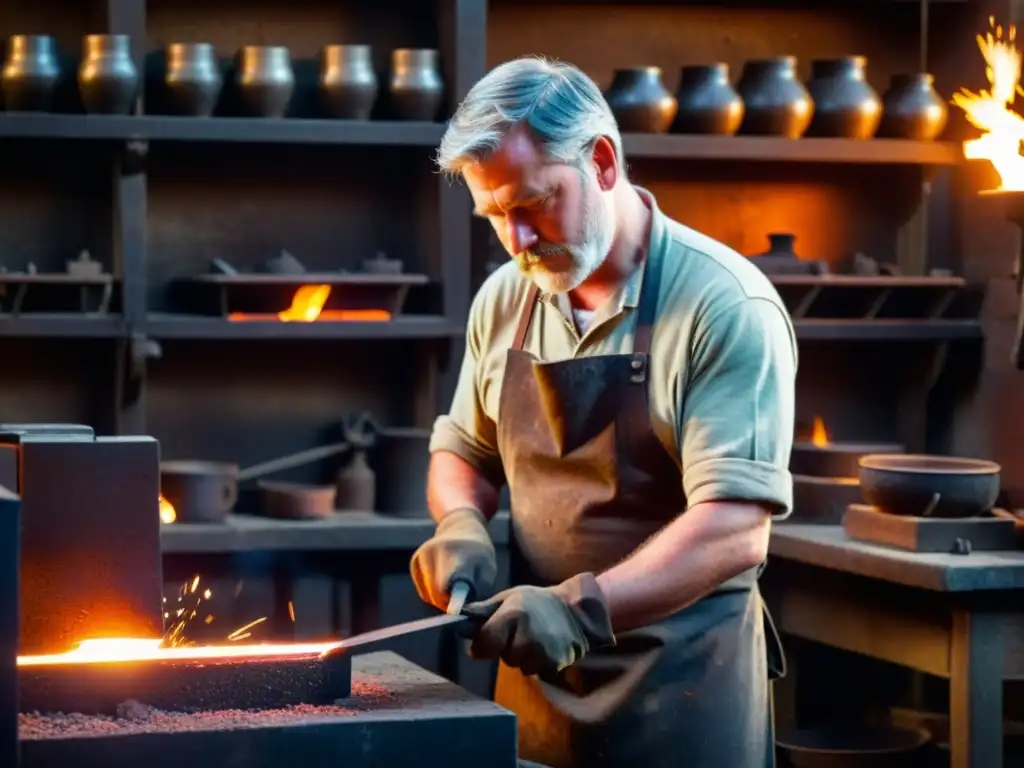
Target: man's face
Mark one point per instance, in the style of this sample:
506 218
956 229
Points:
553 219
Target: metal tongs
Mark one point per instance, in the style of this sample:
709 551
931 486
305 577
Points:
380 639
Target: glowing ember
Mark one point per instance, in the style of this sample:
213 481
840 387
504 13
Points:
167 513
1002 128
116 650
355 315
307 303
308 306
819 435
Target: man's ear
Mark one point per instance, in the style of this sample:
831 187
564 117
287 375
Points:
606 163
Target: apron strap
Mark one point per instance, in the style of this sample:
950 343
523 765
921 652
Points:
524 318
648 305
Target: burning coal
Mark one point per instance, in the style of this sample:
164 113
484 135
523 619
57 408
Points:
308 306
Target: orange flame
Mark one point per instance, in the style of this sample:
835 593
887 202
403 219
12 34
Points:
819 435
989 110
167 512
308 306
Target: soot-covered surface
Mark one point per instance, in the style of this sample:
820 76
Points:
135 717
398 714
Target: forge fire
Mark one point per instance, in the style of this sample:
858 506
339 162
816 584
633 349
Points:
308 306
175 673
176 644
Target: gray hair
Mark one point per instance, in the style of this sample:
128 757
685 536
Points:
562 107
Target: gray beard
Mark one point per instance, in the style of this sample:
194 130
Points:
585 257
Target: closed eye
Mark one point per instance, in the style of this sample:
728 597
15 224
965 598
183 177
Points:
534 204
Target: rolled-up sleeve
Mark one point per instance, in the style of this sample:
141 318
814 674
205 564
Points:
467 430
737 410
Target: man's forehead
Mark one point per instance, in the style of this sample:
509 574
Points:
515 159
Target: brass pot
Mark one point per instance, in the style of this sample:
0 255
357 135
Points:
265 79
193 80
348 85
107 78
30 73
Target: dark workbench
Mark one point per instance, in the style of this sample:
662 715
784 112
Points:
827 546
345 531
959 617
399 715
337 577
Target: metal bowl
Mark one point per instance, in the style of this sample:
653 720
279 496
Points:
295 501
929 486
834 459
853 746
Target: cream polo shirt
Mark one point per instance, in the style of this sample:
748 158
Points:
722 369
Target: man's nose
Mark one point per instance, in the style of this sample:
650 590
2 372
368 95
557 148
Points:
521 236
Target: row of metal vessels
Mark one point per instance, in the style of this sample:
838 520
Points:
194 78
769 99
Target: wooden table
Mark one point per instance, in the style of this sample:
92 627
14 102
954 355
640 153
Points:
959 617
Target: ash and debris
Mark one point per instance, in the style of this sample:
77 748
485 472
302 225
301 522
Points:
134 717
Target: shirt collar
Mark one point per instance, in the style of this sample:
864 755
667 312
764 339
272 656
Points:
628 293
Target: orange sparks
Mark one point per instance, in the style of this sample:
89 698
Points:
1002 129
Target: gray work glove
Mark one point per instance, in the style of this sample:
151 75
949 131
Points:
539 629
460 550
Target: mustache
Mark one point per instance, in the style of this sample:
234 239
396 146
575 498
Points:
541 252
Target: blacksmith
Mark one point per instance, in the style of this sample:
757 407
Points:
632 380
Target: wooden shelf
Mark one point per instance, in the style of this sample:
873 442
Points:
663 146
887 330
62 326
164 326
219 129
389 133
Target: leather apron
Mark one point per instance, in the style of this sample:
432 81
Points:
589 483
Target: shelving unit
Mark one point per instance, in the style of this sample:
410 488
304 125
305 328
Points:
182 191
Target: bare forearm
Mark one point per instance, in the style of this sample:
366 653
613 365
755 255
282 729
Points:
708 545
454 483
